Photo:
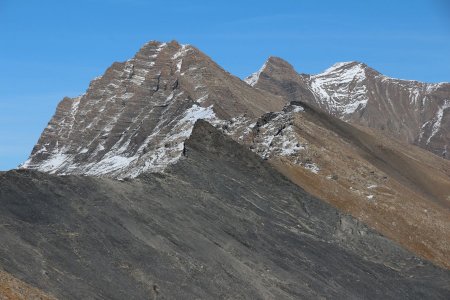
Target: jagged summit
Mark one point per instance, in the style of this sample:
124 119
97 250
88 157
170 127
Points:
272 65
413 111
331 88
346 65
136 116
276 64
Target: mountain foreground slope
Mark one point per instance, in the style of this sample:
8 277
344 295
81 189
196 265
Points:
135 119
138 119
220 223
400 190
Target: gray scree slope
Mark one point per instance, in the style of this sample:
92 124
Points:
221 223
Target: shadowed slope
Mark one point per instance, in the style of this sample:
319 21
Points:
396 188
221 223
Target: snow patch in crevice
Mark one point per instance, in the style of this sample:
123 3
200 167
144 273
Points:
179 64
438 120
434 123
73 111
182 52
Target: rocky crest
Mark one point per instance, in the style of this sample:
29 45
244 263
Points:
415 112
135 117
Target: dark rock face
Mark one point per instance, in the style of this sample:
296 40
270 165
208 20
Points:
221 223
412 111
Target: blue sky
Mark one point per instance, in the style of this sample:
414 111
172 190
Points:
51 49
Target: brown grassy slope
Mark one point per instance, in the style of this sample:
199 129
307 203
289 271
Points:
398 189
12 288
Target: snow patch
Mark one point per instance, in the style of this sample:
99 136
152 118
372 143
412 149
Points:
109 164
182 52
298 109
340 88
254 77
278 137
312 167
179 64
202 98
55 161
437 120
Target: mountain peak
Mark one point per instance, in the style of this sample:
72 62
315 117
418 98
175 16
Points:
273 65
343 67
277 62
352 67
136 117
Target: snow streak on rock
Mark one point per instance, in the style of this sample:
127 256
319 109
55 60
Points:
434 125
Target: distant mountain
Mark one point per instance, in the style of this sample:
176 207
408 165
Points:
412 111
221 223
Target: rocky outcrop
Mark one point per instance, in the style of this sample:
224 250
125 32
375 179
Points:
220 223
412 111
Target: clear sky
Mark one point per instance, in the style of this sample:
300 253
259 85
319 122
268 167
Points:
53 48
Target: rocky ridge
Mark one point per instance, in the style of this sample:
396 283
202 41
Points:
415 112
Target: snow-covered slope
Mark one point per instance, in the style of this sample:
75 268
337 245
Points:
412 111
341 89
